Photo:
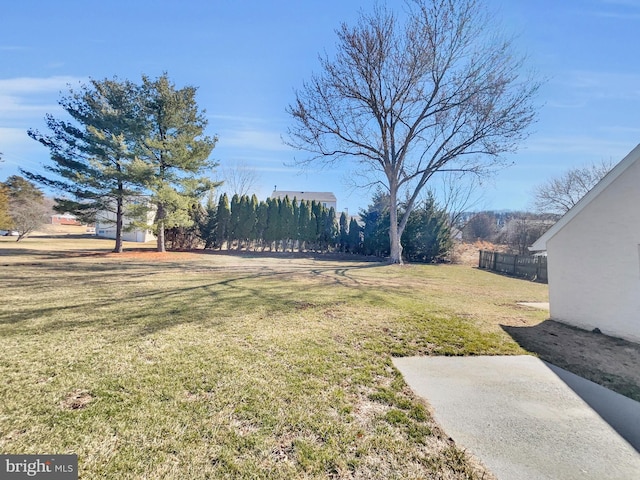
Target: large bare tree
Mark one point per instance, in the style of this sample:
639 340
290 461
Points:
435 87
558 195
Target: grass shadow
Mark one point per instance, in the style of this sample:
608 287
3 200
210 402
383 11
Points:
213 293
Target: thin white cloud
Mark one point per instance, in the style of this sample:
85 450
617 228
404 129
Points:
603 85
238 119
24 101
13 110
12 136
252 140
19 150
34 85
576 144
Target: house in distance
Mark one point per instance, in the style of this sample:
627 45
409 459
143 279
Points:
326 199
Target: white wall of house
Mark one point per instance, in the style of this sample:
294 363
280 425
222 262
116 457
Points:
106 228
594 261
109 231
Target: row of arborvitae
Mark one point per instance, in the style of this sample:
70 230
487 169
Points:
282 225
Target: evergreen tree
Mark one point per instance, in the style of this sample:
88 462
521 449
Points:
427 237
287 226
26 205
22 190
261 223
246 222
6 223
344 232
187 237
304 224
354 237
318 225
273 231
175 151
223 214
209 222
253 209
93 155
330 228
234 221
376 221
295 226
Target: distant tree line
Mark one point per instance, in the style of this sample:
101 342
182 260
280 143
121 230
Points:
281 225
275 224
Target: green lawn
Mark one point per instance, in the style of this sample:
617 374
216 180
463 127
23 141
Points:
218 366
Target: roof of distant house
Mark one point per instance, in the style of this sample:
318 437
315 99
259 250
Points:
317 196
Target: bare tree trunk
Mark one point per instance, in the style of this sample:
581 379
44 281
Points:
395 255
160 242
119 225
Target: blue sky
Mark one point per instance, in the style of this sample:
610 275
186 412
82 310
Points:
247 57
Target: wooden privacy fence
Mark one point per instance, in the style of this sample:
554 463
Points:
531 268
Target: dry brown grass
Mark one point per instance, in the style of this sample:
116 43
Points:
204 365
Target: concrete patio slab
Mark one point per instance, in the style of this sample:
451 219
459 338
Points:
526 419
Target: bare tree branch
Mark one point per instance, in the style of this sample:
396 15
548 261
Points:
559 195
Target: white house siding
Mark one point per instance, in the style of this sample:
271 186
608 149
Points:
106 228
594 262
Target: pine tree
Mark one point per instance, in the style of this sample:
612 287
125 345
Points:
93 155
175 151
